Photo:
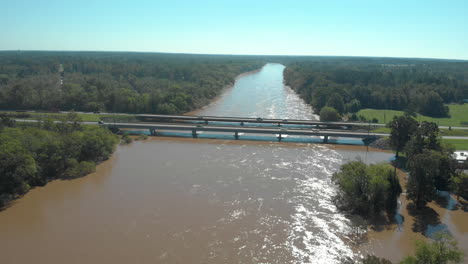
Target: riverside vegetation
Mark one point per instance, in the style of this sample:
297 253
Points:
352 84
115 81
34 155
370 191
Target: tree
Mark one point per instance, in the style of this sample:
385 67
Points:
433 105
459 185
336 101
423 168
329 114
5 121
402 128
69 123
353 106
366 190
17 167
440 251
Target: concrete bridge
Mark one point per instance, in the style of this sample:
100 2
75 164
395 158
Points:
240 130
246 120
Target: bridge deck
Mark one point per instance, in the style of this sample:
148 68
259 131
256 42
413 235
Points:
145 117
240 129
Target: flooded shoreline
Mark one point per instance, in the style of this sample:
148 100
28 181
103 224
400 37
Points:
185 200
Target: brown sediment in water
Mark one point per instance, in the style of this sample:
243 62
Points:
265 143
222 92
396 242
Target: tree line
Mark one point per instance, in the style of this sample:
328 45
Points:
430 164
34 155
351 84
113 81
372 190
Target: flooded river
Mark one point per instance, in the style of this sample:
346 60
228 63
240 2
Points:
183 200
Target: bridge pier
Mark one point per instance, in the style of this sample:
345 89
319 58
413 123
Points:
237 134
325 139
280 137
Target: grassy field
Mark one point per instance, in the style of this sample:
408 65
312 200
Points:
458 115
458 144
443 131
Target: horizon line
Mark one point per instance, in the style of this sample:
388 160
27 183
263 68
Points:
233 54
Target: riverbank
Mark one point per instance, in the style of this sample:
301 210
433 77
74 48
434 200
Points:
396 240
221 93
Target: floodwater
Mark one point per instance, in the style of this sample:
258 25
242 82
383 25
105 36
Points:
183 200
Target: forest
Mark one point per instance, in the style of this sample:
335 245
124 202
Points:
115 81
165 83
351 84
34 155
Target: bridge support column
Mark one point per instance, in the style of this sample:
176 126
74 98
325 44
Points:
152 132
280 137
325 139
194 133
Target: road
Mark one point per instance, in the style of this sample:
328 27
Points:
218 128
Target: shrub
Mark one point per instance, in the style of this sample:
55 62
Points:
367 190
329 114
126 139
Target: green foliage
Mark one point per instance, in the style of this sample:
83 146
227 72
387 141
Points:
336 101
433 105
17 168
353 106
423 169
457 117
77 169
430 165
126 139
402 129
459 185
458 144
397 84
442 250
32 156
329 114
116 82
366 190
6 121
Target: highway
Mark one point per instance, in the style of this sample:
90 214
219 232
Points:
317 132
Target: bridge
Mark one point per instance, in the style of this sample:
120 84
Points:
239 130
246 120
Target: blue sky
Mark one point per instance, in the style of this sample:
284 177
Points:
390 28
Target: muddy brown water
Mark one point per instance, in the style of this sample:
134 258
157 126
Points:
182 200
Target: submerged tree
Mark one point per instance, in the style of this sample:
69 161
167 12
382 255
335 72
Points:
366 190
442 250
459 185
423 168
402 128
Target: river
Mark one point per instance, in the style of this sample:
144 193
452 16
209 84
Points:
183 200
